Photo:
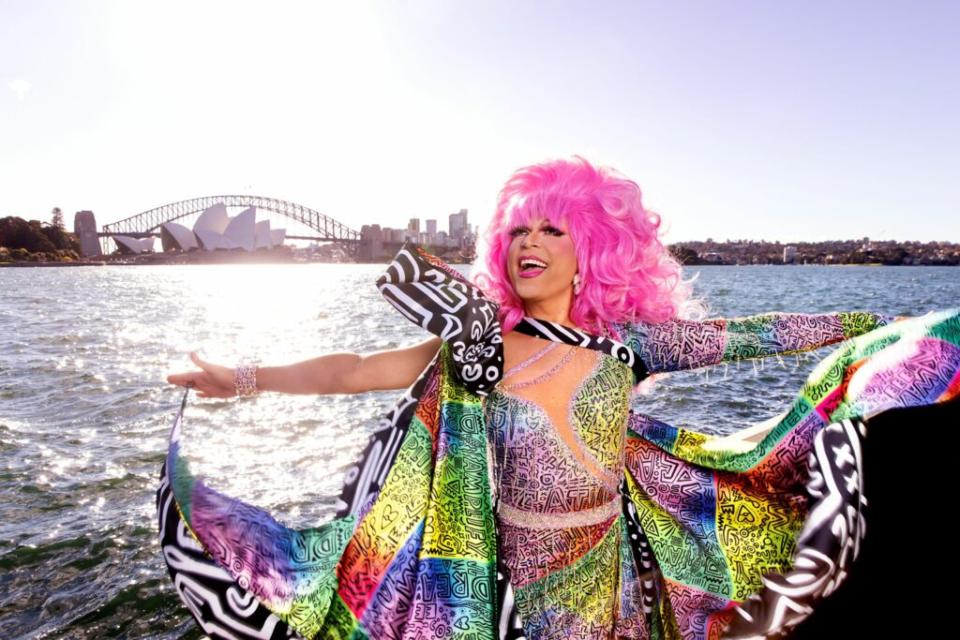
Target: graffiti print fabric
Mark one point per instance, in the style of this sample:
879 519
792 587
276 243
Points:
694 532
687 344
558 443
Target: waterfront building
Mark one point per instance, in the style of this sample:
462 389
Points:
215 229
176 237
459 227
127 244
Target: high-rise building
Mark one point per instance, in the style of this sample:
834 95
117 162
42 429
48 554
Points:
371 232
459 228
414 225
372 239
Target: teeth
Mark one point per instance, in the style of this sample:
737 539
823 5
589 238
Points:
532 263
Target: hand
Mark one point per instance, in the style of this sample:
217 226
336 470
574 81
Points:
214 381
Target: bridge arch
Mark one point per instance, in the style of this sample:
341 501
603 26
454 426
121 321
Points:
149 221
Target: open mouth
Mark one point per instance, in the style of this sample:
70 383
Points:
531 267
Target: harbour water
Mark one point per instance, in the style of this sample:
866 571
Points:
85 409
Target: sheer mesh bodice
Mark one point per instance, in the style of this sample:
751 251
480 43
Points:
557 426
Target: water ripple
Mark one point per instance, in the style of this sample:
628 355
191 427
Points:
85 409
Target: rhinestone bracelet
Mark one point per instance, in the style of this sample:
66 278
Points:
245 380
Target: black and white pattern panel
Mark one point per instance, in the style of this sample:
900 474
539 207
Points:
827 545
443 302
648 573
222 609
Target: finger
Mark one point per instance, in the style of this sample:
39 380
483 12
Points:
181 378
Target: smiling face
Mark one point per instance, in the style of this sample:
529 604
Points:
541 262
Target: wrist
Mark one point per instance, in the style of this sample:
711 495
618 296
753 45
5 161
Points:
245 380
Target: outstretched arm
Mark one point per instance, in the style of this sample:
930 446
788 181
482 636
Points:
687 344
331 373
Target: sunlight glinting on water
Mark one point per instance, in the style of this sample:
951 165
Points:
85 409
273 450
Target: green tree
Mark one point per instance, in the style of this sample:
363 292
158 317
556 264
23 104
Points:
60 238
684 255
17 233
34 236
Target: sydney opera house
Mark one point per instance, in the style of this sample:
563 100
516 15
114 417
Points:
213 230
127 244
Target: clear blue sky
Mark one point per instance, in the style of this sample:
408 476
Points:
775 120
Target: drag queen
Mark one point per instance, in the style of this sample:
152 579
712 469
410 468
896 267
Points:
514 492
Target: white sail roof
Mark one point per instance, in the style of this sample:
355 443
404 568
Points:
240 232
128 244
262 235
181 235
213 219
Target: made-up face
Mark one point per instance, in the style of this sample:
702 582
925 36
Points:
541 261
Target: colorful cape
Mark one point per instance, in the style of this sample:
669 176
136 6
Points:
736 544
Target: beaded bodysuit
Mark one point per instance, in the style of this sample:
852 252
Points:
557 424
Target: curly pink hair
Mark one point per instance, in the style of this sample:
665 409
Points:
627 273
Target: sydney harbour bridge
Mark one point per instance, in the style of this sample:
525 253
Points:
149 223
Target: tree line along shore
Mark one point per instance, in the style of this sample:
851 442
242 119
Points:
846 252
35 241
23 242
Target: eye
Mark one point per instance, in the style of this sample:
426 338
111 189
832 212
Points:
517 231
553 230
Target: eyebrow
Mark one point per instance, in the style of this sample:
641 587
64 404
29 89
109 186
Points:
543 223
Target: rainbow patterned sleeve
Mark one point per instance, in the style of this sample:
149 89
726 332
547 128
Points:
675 345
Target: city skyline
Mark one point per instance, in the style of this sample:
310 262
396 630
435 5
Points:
745 120
459 231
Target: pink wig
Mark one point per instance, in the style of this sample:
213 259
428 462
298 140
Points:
627 274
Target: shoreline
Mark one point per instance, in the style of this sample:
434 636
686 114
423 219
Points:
53 264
